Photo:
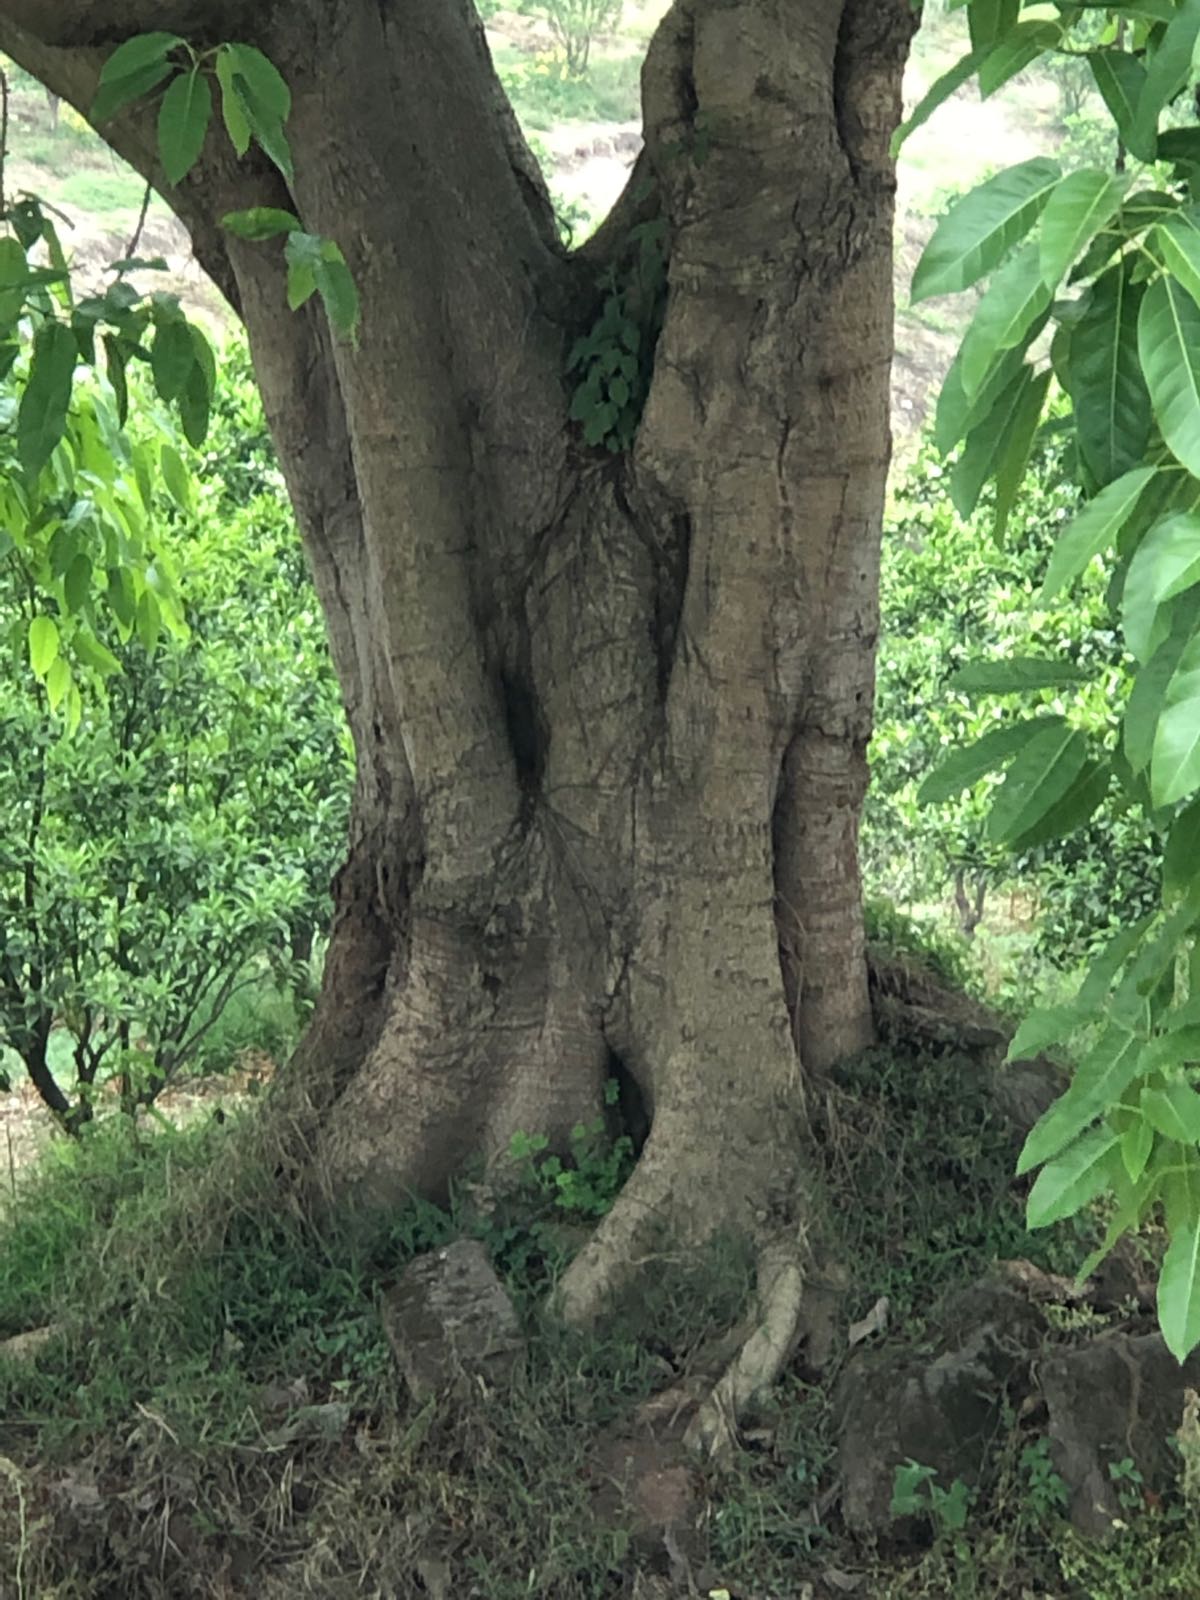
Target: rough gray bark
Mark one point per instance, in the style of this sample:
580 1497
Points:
610 713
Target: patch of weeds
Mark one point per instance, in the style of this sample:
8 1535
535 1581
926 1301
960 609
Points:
899 935
96 191
544 99
1045 1493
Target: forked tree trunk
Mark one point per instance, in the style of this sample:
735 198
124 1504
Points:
610 711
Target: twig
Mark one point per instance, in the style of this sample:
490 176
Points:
131 247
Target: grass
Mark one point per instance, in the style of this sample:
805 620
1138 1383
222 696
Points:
100 192
544 99
220 1398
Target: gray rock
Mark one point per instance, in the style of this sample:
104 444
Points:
941 1410
1119 1397
450 1322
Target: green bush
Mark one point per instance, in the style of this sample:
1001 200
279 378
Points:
174 850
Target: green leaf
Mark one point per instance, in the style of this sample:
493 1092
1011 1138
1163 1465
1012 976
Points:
77 583
133 69
1179 1279
1166 73
959 414
1046 1026
1082 204
1182 854
1174 1112
1094 529
237 124
172 357
989 445
1014 301
195 405
263 78
982 228
114 367
1175 762
147 620
1177 242
1165 564
1073 1179
1013 54
260 222
1067 815
1015 674
183 119
1150 690
175 476
966 766
961 72
339 296
1040 776
1101 1078
93 654
1105 968
1016 448
989 21
1169 346
42 416
1136 1144
58 682
43 644
1112 403
1121 80
266 126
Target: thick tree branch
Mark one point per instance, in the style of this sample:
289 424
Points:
79 24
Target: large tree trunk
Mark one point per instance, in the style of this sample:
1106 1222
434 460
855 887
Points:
610 711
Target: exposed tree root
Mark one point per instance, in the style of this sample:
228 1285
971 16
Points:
758 1364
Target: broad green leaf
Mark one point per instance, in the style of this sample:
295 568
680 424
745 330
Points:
1082 204
148 621
989 444
136 53
260 222
42 416
172 358
1100 1080
1179 1279
983 226
93 654
237 124
1181 858
1094 529
338 294
1013 54
58 682
43 644
116 357
1169 346
265 124
1014 300
1112 403
1165 564
183 119
1121 80
175 476
1107 966
302 254
961 72
1067 815
1015 674
206 361
1016 448
1073 1179
1177 242
989 21
195 404
1166 73
959 414
1046 1026
263 78
1175 761
1174 1112
1136 1144
1150 690
1039 777
965 766
77 583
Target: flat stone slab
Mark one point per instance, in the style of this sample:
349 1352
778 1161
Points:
450 1322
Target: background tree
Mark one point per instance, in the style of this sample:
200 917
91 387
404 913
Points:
605 637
